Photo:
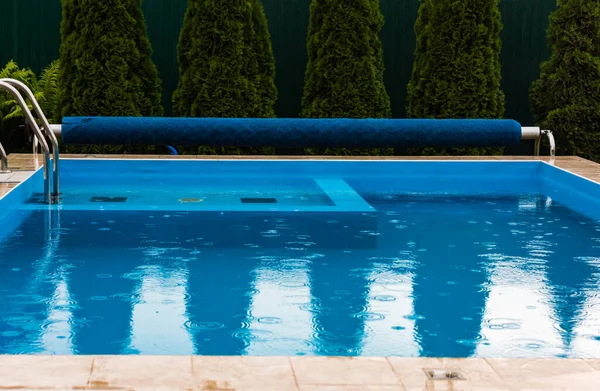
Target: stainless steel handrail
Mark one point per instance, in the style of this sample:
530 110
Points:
3 160
46 127
36 129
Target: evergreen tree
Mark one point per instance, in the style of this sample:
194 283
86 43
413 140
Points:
566 97
226 61
265 61
344 74
105 67
100 53
457 71
151 92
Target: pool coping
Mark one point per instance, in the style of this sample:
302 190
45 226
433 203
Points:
42 372
303 373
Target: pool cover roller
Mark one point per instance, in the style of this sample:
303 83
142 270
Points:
291 132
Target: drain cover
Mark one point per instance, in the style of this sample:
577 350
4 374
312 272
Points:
108 199
190 199
444 374
258 200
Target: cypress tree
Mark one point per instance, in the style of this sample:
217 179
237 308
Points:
105 67
226 65
221 56
456 71
99 50
344 74
151 92
261 45
566 97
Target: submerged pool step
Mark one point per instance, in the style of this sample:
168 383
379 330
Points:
322 194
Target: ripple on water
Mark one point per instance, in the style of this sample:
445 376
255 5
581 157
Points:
312 307
252 335
369 316
295 263
413 317
503 324
203 326
246 292
269 320
472 342
293 284
384 298
528 344
10 334
21 321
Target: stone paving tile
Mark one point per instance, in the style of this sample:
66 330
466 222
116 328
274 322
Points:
572 381
520 370
20 176
593 363
478 374
5 188
352 388
359 371
139 371
243 373
20 371
175 157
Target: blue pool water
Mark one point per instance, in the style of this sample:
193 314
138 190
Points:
414 262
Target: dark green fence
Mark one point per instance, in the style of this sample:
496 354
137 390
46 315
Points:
29 34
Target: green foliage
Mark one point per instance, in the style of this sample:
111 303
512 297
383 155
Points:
48 88
344 74
151 93
45 91
106 66
101 58
261 45
566 97
226 62
106 60
456 71
9 108
226 65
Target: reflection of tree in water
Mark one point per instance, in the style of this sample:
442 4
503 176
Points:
220 295
221 287
103 258
569 275
340 291
449 291
27 281
102 285
339 284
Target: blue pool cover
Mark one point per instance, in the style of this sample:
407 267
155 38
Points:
291 132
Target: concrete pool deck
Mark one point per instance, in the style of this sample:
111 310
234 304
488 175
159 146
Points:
291 373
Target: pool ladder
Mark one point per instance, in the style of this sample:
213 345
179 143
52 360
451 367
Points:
15 88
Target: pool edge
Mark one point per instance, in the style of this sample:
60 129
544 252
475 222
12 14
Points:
283 373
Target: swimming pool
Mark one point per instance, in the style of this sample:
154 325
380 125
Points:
350 258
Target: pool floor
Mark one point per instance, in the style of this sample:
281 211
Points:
505 276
